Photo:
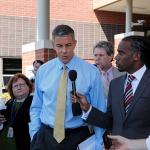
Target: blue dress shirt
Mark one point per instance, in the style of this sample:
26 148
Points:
43 106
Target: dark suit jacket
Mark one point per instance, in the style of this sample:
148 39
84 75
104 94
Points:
20 123
136 123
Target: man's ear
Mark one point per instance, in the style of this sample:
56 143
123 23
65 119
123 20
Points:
137 56
75 42
53 43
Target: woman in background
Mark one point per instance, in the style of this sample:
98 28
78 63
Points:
15 134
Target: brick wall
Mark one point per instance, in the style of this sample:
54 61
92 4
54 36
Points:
18 24
41 54
22 8
73 10
15 32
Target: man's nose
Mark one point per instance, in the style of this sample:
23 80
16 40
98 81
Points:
64 49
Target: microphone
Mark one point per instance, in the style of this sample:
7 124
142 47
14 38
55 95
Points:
76 110
72 77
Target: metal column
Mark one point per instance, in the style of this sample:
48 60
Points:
42 20
128 15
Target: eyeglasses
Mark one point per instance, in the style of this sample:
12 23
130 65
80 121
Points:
21 85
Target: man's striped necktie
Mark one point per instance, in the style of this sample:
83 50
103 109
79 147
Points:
128 95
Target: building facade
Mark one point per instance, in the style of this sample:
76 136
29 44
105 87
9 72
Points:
18 27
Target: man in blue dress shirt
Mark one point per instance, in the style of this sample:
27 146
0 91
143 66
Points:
43 108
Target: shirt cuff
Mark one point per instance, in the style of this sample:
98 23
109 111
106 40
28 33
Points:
1 126
86 114
148 143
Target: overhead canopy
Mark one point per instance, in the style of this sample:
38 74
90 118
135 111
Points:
139 6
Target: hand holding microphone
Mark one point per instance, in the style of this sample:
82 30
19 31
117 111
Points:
81 99
76 110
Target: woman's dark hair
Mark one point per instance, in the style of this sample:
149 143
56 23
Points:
38 61
14 79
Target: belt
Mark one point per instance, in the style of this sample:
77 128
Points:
68 130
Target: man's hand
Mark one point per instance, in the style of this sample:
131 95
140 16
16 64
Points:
122 143
119 142
81 99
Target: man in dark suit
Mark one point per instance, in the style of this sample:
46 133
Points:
130 120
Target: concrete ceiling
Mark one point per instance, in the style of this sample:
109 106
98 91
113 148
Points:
139 6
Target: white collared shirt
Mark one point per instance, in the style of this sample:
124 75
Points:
138 76
148 143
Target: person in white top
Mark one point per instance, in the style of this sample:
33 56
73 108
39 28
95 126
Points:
2 107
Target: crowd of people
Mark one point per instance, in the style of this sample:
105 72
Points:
114 99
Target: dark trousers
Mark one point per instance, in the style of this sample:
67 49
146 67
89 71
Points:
44 140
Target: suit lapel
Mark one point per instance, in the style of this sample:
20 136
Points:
121 95
140 89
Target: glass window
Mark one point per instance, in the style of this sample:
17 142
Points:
11 66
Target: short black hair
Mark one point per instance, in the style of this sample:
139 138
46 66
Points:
63 30
140 44
38 61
